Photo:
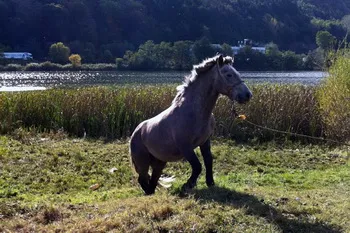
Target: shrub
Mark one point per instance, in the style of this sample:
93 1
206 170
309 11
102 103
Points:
48 66
59 53
99 67
334 99
13 67
33 67
75 59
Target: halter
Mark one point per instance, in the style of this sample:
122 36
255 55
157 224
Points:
236 84
230 86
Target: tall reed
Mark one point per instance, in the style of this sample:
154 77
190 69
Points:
96 112
114 112
289 108
334 98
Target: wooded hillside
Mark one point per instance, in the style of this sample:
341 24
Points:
95 29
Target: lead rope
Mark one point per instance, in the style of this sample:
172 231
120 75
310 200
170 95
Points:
244 118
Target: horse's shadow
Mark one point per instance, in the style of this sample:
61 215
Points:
286 221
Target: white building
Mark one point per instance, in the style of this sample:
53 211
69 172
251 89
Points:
22 56
241 45
247 42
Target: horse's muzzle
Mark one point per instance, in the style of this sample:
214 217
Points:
244 97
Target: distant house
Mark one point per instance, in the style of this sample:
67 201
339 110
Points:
242 44
247 42
21 56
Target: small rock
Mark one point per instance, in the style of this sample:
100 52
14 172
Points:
112 170
334 155
94 187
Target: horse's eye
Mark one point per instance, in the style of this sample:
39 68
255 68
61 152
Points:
229 75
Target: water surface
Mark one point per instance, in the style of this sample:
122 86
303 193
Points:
41 80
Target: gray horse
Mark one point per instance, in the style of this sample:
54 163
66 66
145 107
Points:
188 123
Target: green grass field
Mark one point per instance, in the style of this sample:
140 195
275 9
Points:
45 180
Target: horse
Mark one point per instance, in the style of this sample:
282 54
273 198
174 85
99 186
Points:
187 123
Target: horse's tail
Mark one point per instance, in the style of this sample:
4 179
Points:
138 152
132 162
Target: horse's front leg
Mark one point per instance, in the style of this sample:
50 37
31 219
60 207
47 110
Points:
192 158
208 162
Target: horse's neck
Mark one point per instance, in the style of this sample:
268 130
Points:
201 96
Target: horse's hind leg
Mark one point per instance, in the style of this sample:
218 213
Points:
157 168
142 167
141 160
144 182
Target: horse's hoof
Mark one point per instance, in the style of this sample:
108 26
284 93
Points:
148 191
186 188
211 184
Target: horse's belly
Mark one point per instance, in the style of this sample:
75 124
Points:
165 153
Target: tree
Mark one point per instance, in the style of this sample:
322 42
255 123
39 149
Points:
1 52
346 22
164 54
291 61
272 50
227 50
59 53
325 40
75 59
107 56
182 55
202 49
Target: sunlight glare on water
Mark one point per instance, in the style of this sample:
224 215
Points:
88 78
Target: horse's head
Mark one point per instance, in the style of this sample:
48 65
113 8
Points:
228 81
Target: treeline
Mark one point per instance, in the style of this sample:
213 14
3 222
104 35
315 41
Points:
102 30
182 55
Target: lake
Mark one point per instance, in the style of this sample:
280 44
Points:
17 81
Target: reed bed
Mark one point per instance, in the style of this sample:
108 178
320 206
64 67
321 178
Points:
94 112
334 98
114 112
289 108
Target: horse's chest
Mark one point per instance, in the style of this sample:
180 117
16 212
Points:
201 134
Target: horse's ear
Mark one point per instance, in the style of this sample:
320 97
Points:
221 60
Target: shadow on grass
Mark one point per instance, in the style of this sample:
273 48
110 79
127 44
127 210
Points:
286 221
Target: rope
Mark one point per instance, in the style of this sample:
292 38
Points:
244 118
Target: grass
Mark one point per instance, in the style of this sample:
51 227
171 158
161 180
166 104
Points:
268 187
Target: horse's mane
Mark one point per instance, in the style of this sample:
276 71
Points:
197 70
